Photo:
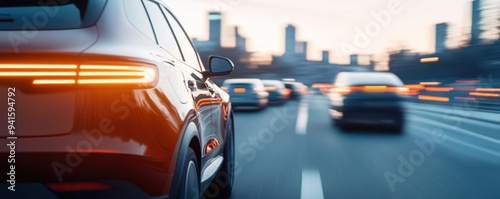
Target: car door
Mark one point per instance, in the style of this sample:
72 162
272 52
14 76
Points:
186 79
203 94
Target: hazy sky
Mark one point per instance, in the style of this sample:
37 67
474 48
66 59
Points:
333 25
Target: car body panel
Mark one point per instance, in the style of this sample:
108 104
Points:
114 133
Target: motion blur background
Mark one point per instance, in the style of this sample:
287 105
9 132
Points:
452 44
447 53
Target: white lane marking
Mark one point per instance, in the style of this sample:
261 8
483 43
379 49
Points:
457 141
311 185
302 118
463 131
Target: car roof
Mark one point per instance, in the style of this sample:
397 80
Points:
367 78
294 83
269 81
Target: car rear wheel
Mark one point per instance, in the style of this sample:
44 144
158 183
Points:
190 184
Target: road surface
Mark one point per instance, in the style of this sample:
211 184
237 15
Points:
294 151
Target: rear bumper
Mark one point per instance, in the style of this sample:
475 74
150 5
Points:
125 173
143 169
252 102
121 189
276 98
369 115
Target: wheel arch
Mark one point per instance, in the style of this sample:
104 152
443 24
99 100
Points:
189 138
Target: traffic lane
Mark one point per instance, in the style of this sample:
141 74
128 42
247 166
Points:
463 120
354 164
364 163
265 165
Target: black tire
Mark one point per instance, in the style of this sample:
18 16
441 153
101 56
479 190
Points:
190 183
224 179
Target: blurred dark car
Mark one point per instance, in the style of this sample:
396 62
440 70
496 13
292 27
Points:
277 91
110 100
247 93
321 88
368 98
297 89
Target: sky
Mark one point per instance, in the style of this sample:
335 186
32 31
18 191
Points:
342 26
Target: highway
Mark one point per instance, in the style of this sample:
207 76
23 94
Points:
294 151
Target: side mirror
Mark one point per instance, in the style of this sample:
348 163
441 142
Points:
219 66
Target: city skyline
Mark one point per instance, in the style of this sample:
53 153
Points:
395 29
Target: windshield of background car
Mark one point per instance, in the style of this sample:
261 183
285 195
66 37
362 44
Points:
49 15
278 85
240 85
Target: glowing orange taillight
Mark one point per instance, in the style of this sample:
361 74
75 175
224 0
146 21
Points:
57 74
371 89
286 92
37 66
271 88
97 74
54 81
342 90
38 70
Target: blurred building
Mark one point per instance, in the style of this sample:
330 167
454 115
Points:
301 50
241 42
441 37
290 40
238 53
325 56
354 60
476 23
215 29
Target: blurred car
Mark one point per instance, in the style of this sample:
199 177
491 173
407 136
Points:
247 93
111 101
277 91
321 88
368 98
297 89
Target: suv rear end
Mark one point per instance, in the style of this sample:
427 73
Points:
368 98
277 91
297 89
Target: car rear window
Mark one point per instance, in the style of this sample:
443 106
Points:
274 84
367 79
49 15
240 85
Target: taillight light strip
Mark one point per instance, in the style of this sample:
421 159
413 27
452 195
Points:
116 74
348 89
88 74
37 74
54 81
37 66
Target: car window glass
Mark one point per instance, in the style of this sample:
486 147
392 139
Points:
166 38
190 55
42 15
138 17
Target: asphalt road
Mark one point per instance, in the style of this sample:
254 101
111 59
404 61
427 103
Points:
293 151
